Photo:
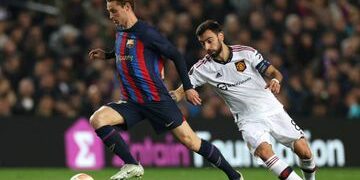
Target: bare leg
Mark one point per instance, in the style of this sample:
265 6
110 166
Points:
102 121
307 164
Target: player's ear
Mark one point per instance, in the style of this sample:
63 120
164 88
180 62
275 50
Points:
221 36
127 6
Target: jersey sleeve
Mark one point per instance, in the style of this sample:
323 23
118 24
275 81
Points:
258 62
161 44
164 47
196 76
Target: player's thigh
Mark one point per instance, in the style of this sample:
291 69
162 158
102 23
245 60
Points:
284 129
105 115
163 115
254 134
185 134
130 112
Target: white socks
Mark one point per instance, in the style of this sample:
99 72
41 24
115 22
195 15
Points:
281 169
308 168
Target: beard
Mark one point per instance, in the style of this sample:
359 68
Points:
216 52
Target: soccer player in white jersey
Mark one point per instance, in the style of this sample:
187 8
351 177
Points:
237 73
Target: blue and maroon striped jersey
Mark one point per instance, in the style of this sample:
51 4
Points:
138 51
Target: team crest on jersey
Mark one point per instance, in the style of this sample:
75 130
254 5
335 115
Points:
130 43
240 66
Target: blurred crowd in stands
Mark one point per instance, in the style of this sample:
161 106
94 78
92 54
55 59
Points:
45 70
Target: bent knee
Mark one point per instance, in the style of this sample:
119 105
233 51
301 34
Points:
302 149
305 153
96 120
264 151
101 117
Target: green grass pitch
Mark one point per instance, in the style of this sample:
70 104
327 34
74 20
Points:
168 174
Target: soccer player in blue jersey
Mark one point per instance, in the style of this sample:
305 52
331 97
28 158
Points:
138 52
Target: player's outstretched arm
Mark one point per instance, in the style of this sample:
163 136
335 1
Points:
276 78
100 54
97 54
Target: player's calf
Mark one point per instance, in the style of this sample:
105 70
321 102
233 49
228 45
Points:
187 136
302 149
307 163
191 143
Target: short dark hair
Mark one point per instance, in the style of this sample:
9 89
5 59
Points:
123 2
212 25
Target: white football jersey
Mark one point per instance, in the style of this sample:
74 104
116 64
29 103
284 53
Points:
239 82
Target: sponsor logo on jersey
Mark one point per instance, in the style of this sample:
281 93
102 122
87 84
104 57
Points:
218 75
225 86
222 86
124 58
240 66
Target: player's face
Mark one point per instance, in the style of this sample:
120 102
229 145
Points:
117 13
211 42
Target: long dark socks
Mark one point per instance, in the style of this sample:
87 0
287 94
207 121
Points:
115 143
213 155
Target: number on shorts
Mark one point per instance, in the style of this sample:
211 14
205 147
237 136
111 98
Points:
295 125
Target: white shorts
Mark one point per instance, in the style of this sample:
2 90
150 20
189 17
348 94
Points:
280 126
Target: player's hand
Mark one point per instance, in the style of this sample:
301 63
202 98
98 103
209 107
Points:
193 96
175 96
97 54
274 86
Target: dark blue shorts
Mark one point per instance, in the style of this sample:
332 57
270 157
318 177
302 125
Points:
163 115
